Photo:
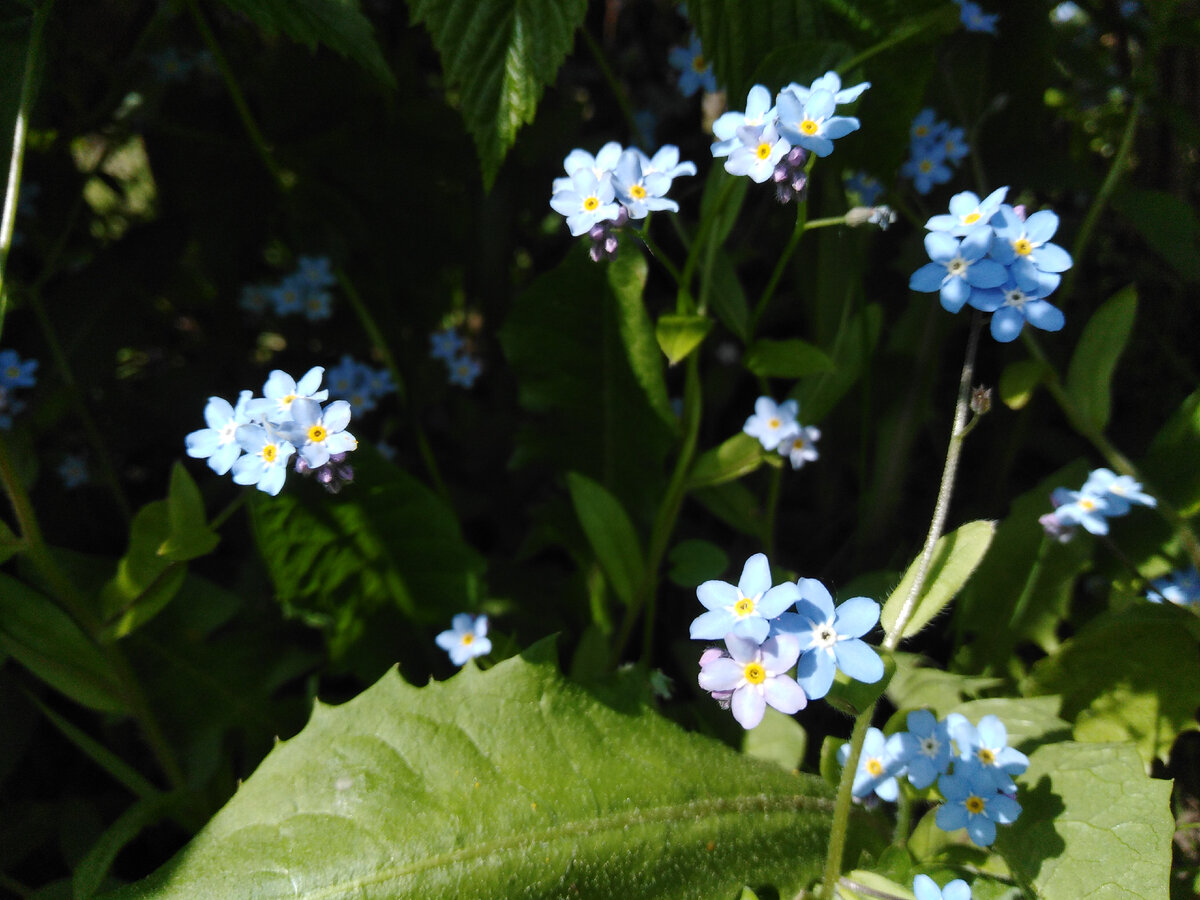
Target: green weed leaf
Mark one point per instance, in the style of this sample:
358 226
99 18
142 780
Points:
627 279
786 359
1089 377
729 460
679 334
613 538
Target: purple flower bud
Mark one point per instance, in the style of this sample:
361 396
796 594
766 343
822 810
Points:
1057 529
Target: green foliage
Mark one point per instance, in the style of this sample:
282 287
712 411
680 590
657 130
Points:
499 56
679 334
792 358
1019 380
779 739
334 560
1092 825
695 561
1089 378
1128 676
1168 225
1170 463
492 782
955 556
612 536
627 279
916 684
729 460
338 24
850 353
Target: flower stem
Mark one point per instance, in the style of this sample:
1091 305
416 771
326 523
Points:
784 257
842 803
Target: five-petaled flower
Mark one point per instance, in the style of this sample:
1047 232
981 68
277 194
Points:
756 674
466 638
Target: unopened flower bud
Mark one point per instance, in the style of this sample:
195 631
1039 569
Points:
981 400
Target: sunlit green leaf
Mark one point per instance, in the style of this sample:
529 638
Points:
499 55
733 458
779 739
1019 380
613 538
1089 377
497 783
189 535
915 686
627 279
1029 721
679 335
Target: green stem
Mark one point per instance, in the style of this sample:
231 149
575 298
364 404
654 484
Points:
773 491
614 85
283 180
824 223
842 803
782 261
899 36
17 160
702 238
660 257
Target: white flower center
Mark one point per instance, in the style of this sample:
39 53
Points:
1016 297
824 636
958 266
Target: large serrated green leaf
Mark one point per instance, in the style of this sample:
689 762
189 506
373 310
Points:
1089 377
627 279
498 784
955 557
338 24
613 538
499 55
1092 825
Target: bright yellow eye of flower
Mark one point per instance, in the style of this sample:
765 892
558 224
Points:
637 192
744 607
975 805
986 756
1022 247
763 151
1086 504
920 131
971 218
773 423
269 452
874 767
926 166
809 127
317 434
591 203
755 673
699 64
467 638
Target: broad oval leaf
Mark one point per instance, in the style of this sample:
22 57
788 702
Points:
497 784
1019 380
737 456
627 279
1090 374
792 358
613 538
955 557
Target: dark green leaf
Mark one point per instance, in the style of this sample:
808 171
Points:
694 562
727 298
9 542
1089 377
189 535
735 457
502 782
338 24
1170 463
499 55
45 640
627 278
1092 825
792 358
1168 224
612 536
850 352
146 580
736 505
679 335
721 204
1019 380
93 869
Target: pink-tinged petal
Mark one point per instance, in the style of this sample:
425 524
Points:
717 595
721 675
748 707
780 653
784 694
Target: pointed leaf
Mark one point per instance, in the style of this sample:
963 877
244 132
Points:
678 335
502 782
786 359
1089 377
955 557
1019 380
613 538
627 279
1092 825
851 352
695 561
1170 463
735 457
338 24
189 535
499 55
146 579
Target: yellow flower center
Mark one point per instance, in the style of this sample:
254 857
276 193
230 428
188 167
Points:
809 127
986 756
975 805
763 151
755 673
874 767
1087 505
637 192
467 639
971 218
926 166
920 131
287 401
317 434
591 203
1022 246
773 423
699 64
269 452
744 606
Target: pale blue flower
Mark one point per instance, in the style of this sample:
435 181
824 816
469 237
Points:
801 447
464 370
925 888
1121 491
601 165
881 760
16 372
288 296
1181 587
695 72
830 639
761 148
931 751
987 744
589 201
642 192
926 127
466 638
1081 508
1025 246
811 124
316 272
445 344
832 83
955 144
960 267
974 801
318 305
318 433
744 610
755 676
968 213
1017 301
759 111
281 391
772 422
264 463
218 443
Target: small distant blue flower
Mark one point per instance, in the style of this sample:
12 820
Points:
974 801
73 470
811 124
974 18
15 372
1121 491
1181 588
264 463
960 267
772 422
589 201
931 752
315 271
218 443
865 186
955 144
318 305
465 639
464 370
754 676
445 344
170 65
882 759
968 213
1017 301
801 447
695 72
760 150
830 639
319 433
288 296
344 378
925 888
1080 508
926 127
926 165
987 744
256 298
759 111
744 610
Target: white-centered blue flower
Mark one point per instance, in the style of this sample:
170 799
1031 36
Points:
281 391
264 463
744 609
801 447
218 442
974 801
466 638
641 192
925 888
754 676
811 124
1088 510
601 165
760 149
881 760
830 639
1017 301
931 750
968 213
589 201
319 433
759 111
772 422
959 267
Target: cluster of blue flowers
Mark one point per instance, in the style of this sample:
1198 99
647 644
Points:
773 140
605 191
695 72
973 17
256 437
988 254
1181 587
303 292
776 427
934 147
973 767
763 642
360 385
1103 496
14 373
448 345
466 638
